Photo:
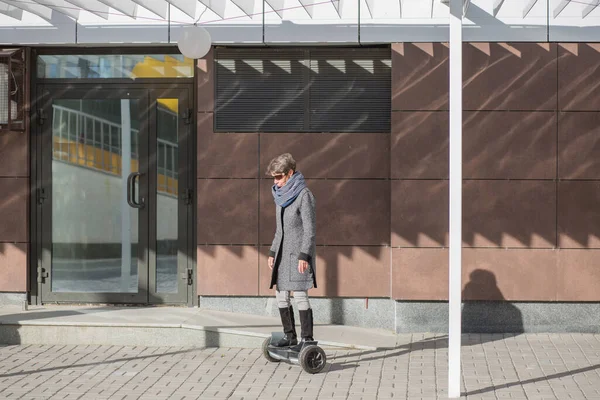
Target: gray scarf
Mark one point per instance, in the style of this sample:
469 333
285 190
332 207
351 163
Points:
285 195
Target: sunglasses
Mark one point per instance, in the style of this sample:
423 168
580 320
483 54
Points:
278 177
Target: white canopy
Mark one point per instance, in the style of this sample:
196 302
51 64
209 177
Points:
392 9
295 21
101 8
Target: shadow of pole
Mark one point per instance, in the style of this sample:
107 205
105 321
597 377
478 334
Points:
93 364
558 375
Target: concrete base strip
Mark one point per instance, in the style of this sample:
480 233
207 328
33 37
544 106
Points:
78 333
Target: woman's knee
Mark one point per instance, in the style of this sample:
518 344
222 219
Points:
283 298
301 299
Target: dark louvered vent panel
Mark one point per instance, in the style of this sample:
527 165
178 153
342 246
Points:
350 90
296 90
260 90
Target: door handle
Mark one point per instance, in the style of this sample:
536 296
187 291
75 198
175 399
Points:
131 191
188 276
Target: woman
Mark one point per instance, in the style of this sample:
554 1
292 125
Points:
292 255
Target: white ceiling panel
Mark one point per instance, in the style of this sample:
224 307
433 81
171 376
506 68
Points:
62 7
92 6
187 6
158 7
127 7
11 11
589 8
34 8
247 6
216 6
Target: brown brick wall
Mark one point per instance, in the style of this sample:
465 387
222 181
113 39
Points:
14 226
531 194
531 189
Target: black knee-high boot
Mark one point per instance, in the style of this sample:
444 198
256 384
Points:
306 324
289 327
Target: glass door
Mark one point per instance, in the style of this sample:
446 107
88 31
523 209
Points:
110 196
171 258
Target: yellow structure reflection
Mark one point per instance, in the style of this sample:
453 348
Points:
169 68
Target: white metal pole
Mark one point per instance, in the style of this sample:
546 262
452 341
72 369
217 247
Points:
125 209
455 260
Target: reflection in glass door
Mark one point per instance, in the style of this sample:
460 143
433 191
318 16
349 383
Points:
167 193
169 258
95 158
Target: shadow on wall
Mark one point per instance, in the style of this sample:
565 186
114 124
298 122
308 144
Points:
489 317
498 146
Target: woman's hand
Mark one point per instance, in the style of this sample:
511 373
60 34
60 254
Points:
302 266
271 262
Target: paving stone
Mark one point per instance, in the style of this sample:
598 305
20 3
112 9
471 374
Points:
557 366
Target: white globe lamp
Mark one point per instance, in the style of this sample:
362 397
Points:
194 42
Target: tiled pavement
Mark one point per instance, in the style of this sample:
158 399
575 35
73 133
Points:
530 366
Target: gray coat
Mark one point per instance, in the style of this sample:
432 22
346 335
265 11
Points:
295 240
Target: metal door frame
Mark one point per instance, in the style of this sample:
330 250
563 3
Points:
185 264
147 93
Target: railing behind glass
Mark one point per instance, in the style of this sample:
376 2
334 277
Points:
93 142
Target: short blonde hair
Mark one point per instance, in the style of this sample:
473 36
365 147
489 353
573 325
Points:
282 164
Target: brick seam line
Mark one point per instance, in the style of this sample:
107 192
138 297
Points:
8 356
349 353
204 363
295 382
252 353
353 376
558 351
63 349
565 364
512 361
590 363
540 365
487 361
199 364
410 351
201 360
221 369
86 347
67 349
583 351
153 360
596 338
174 364
326 370
267 381
385 355
521 371
435 364
120 348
